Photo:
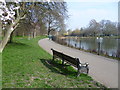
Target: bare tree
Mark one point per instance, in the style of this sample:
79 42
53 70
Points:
108 28
56 15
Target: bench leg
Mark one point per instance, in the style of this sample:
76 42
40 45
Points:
78 72
87 70
53 57
62 62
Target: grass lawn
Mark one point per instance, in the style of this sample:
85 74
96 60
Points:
24 64
0 71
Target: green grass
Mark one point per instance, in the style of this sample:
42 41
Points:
27 65
0 71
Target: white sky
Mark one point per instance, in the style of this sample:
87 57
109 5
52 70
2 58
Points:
91 0
82 12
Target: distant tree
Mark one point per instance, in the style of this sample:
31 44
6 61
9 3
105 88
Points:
104 27
69 31
76 32
108 28
119 28
55 16
93 27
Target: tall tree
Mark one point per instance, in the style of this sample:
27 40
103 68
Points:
10 15
56 15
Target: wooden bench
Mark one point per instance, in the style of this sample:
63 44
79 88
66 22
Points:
72 61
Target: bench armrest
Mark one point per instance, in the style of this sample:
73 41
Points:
84 64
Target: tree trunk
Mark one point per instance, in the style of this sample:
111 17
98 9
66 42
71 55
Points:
35 33
48 31
17 34
5 39
32 35
23 34
0 56
49 28
0 34
4 33
11 36
29 36
0 31
10 29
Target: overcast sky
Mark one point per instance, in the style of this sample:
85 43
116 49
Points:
82 12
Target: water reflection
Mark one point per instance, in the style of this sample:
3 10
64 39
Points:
108 45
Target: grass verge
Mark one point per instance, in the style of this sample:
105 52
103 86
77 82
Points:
25 64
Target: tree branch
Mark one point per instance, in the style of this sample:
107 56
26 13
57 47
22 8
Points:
23 16
16 26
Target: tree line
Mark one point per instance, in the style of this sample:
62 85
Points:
94 28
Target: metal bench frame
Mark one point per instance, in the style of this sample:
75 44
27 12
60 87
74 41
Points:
70 60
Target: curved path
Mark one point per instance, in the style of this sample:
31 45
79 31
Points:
102 69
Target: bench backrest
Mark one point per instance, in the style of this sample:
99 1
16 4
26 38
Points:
58 54
71 60
74 61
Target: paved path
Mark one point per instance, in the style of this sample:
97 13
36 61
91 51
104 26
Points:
103 70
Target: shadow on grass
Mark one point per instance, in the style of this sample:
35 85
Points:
57 67
18 45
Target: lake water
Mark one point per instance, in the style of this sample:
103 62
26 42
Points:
108 45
